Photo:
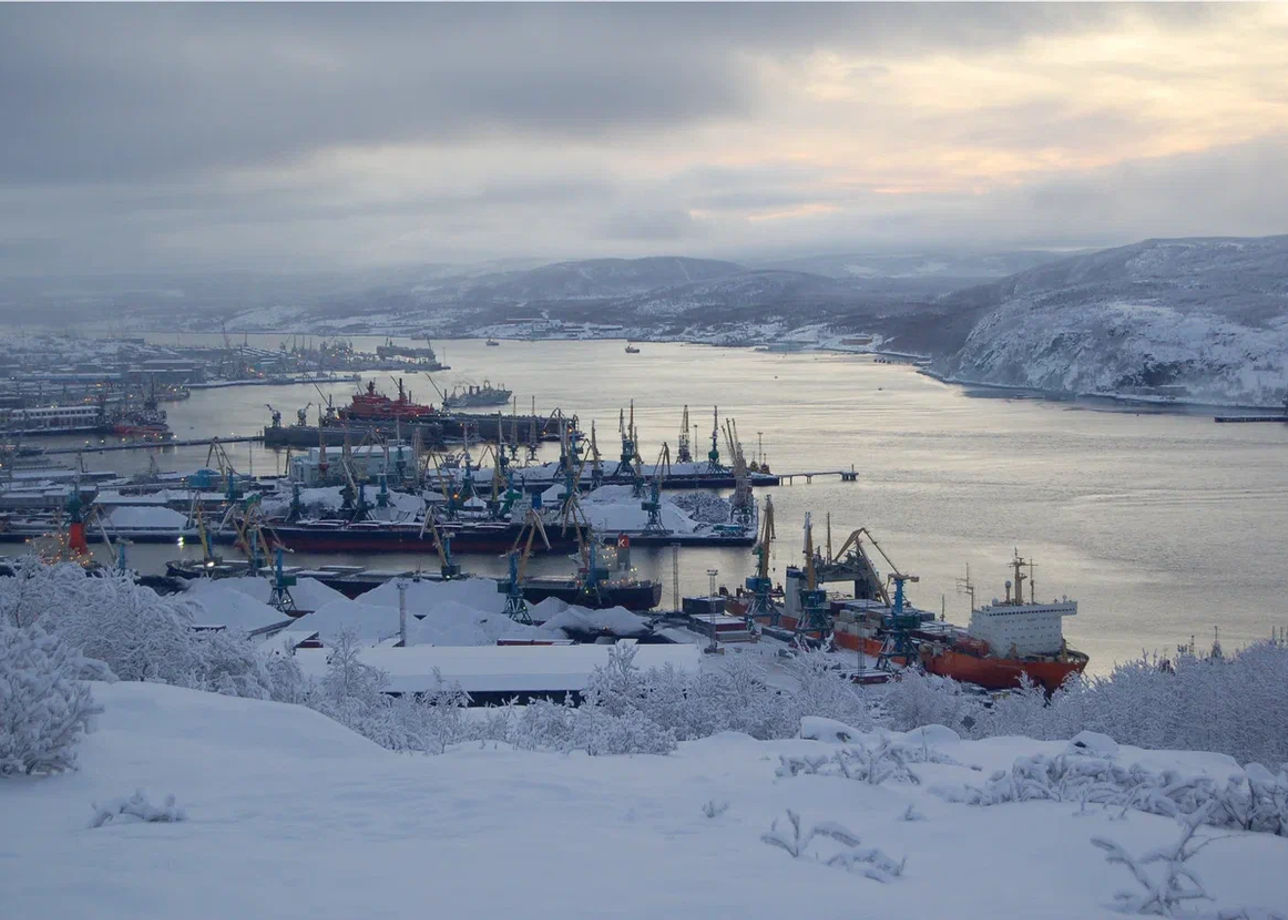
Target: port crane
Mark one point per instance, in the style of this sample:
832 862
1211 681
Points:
813 599
683 452
760 585
852 561
713 455
516 606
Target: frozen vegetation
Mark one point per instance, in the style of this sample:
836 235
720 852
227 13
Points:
805 785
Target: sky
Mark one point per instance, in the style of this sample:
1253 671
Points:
299 137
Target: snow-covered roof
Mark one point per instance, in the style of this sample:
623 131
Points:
501 668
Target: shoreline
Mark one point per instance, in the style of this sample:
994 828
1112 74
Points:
1109 402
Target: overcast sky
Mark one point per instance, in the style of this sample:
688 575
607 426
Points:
298 137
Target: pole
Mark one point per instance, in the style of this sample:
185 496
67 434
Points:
711 574
402 613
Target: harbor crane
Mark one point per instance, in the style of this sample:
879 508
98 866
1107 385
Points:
851 560
713 455
813 599
761 585
516 606
683 452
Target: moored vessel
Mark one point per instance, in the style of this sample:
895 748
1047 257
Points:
473 395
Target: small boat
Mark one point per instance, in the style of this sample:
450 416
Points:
632 350
491 342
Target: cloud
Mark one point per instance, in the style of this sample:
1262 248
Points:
189 136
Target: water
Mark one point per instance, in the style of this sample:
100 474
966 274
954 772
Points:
1162 526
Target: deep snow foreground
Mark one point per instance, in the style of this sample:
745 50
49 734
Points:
291 815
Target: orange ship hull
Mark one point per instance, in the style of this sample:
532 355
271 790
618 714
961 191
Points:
1004 673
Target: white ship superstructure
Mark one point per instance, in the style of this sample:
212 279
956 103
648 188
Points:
1013 627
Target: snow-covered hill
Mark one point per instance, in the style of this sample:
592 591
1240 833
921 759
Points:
1201 319
290 815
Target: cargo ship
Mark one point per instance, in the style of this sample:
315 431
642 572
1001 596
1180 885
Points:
1006 641
632 594
472 396
342 536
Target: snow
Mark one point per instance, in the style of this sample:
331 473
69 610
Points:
309 593
146 517
617 620
500 668
1203 316
291 815
223 604
460 612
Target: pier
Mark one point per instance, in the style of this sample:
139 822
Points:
150 445
845 475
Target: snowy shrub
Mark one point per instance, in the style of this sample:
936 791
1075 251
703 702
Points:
1255 800
870 862
542 726
822 692
713 809
44 708
1166 890
598 732
353 694
918 699
137 808
875 761
617 687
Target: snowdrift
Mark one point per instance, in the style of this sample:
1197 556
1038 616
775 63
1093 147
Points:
344 829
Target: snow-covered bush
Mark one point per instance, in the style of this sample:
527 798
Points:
1232 705
848 854
44 708
1255 800
137 808
874 761
598 732
1168 889
916 699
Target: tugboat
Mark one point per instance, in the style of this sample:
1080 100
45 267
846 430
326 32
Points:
472 396
375 406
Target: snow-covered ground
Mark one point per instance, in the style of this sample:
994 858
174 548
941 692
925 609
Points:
288 814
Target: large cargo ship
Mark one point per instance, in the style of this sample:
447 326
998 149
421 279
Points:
632 594
1006 641
340 536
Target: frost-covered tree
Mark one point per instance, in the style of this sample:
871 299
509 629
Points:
44 708
917 699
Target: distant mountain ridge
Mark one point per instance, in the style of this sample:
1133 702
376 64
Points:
1200 318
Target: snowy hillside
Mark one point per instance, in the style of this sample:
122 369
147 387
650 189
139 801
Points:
1200 319
286 814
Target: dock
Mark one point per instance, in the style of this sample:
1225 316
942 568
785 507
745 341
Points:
845 475
150 445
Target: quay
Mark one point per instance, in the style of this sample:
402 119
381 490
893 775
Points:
845 475
150 445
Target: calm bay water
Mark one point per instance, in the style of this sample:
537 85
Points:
1162 526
